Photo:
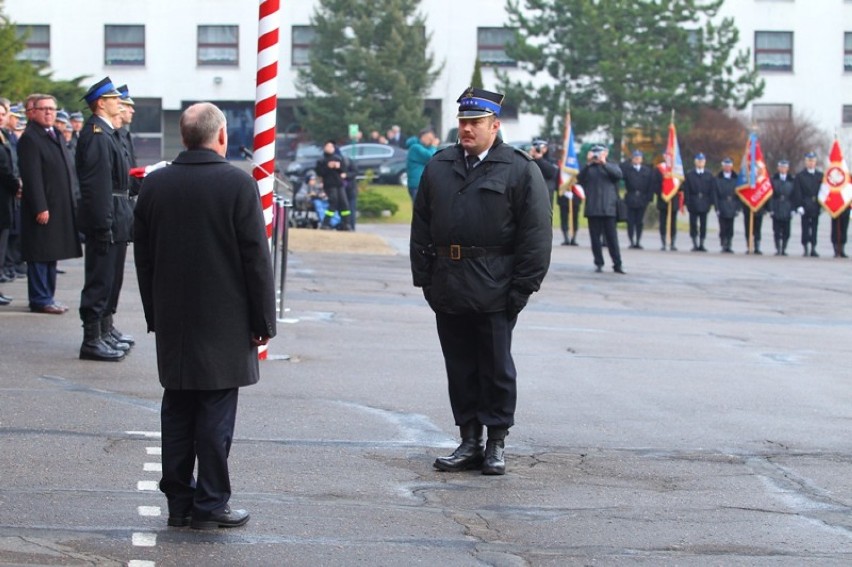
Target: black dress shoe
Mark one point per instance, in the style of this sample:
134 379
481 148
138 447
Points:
227 518
619 270
598 269
179 521
52 309
5 300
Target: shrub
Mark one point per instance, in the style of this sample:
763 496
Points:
372 203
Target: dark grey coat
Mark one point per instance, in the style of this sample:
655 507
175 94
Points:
47 175
503 202
639 185
8 182
806 190
698 191
783 201
725 197
600 184
204 270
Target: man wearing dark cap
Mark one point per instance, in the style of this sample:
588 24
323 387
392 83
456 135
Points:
698 189
781 206
639 185
806 189
76 124
480 245
599 180
105 218
727 203
128 109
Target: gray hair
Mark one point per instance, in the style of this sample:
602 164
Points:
200 124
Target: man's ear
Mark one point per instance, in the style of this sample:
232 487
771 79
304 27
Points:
223 136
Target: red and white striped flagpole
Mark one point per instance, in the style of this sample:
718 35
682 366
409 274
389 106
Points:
265 107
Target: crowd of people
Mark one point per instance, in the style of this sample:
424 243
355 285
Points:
65 180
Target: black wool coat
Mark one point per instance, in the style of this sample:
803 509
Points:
204 271
725 197
639 185
502 202
599 182
806 190
783 201
48 182
698 191
8 182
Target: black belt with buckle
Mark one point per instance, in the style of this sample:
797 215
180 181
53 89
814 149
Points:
457 252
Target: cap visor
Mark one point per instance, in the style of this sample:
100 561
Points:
471 114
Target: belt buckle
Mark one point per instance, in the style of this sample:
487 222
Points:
455 252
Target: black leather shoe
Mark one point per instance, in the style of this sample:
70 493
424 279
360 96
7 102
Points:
598 269
5 300
468 455
227 518
52 309
495 461
179 521
619 270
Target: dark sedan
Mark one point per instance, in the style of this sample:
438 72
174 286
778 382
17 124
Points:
372 156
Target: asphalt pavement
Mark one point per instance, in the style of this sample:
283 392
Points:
691 412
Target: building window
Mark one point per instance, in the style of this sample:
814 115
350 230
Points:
773 51
303 39
218 45
847 51
37 44
847 114
147 130
771 112
124 45
491 46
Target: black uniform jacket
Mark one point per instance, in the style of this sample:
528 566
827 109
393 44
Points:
725 197
639 185
782 202
599 181
105 211
806 186
502 203
48 179
8 182
204 270
698 191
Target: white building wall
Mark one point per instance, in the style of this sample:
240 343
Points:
817 87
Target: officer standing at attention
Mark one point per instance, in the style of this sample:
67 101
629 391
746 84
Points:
698 191
781 206
806 185
481 238
639 183
105 218
727 203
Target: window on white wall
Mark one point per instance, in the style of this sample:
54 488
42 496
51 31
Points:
37 41
124 45
771 112
847 51
301 42
219 45
847 114
773 51
491 46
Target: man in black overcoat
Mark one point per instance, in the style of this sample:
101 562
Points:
781 206
727 203
639 190
599 179
806 190
105 218
205 277
48 222
481 238
698 187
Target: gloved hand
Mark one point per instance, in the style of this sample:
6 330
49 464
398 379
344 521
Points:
800 210
102 242
515 303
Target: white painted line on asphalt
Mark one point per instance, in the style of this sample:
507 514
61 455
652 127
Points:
149 434
149 485
140 563
154 450
152 467
143 539
149 511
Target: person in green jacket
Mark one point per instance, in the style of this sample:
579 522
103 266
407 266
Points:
420 151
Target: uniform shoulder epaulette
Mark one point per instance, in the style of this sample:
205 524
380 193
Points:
97 129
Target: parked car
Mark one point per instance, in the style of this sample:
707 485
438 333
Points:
304 162
372 156
394 172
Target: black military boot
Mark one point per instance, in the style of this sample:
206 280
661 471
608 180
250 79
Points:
565 239
495 462
116 334
94 347
110 340
694 245
468 455
784 247
777 246
813 251
701 246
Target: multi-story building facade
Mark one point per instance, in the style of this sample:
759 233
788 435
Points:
175 53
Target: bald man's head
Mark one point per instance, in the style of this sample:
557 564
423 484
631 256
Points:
203 125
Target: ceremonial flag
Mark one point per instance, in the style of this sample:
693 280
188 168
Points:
672 166
569 165
835 193
140 172
754 187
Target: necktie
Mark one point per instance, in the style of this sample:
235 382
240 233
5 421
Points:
471 161
52 133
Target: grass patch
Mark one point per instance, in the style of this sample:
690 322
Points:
399 195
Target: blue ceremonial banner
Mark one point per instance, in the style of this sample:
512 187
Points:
569 165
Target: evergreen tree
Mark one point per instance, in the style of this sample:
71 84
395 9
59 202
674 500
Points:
369 65
626 63
476 79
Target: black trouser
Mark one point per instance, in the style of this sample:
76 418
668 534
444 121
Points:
635 223
781 230
4 243
696 219
337 200
103 280
197 424
604 226
758 223
352 200
481 374
664 221
839 228
566 207
809 229
726 230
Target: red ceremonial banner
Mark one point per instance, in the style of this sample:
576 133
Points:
835 193
755 187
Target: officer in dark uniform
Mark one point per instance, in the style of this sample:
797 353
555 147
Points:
806 185
481 238
781 206
839 231
76 123
758 225
663 208
727 203
549 170
105 218
600 180
698 190
639 185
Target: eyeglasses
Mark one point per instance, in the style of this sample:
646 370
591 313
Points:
45 108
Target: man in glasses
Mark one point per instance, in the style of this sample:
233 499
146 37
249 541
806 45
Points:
48 227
